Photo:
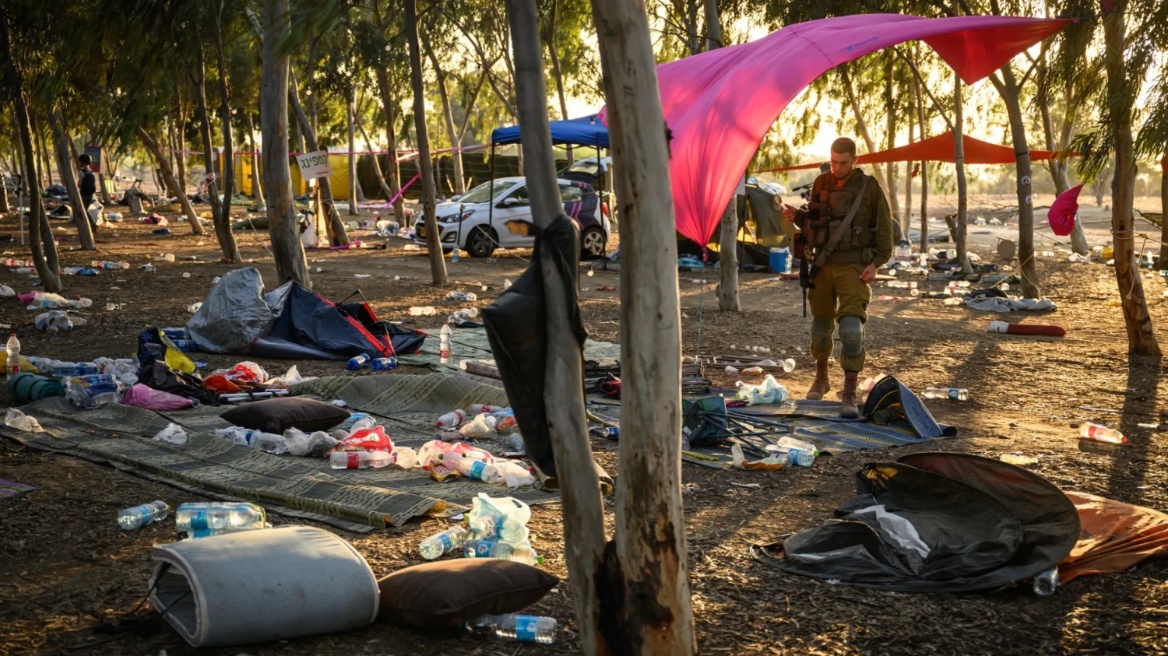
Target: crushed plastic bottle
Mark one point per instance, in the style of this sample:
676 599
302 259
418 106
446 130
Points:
269 442
951 393
139 516
451 419
482 426
200 520
359 459
519 628
1099 433
315 444
22 422
443 542
12 364
500 550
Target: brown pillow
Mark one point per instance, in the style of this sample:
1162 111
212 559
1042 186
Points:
446 592
278 415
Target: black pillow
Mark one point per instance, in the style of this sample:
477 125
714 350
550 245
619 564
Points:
278 415
448 592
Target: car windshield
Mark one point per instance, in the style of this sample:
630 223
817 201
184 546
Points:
587 166
482 193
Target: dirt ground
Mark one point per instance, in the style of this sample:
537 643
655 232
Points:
66 568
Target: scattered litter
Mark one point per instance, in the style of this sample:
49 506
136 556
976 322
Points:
753 486
1099 433
22 422
172 434
1017 459
10 489
362 275
186 274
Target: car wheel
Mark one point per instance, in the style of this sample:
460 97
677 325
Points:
481 242
592 243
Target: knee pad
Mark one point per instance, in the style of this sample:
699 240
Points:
821 330
851 331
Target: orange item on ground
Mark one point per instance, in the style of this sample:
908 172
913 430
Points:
1115 536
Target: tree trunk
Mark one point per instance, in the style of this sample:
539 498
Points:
728 300
924 170
4 206
287 251
180 159
44 170
647 593
352 159
336 227
227 237
376 165
44 252
448 121
1164 211
959 163
65 168
1141 338
257 187
102 189
906 222
1027 266
388 105
558 75
429 200
1058 166
222 224
863 126
171 182
583 507
890 99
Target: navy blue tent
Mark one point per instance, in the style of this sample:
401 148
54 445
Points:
586 131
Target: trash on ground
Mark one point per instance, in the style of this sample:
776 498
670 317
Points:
22 422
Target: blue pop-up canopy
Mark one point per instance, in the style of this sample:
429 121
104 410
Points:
585 131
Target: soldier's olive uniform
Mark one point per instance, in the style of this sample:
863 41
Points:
838 294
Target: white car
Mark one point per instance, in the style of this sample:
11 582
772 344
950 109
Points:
481 221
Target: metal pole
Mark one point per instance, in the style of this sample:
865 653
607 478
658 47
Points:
491 192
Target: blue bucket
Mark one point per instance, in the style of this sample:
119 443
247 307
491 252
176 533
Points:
780 260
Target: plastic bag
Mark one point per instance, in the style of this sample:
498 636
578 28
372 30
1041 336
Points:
514 474
22 422
173 434
481 426
314 445
406 458
142 396
768 391
774 462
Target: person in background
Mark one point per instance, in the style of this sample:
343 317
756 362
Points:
87 185
839 291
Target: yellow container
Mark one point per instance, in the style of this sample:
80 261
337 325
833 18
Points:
1107 253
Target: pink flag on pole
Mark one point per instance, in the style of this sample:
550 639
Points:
1062 211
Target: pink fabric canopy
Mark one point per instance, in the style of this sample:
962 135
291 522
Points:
720 104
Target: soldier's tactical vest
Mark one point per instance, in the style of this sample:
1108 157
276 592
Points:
853 247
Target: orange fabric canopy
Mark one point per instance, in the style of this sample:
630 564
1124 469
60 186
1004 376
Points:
939 149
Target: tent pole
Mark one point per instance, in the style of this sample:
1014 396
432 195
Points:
491 192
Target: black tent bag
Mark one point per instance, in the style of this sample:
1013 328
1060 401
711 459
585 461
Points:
516 328
986 524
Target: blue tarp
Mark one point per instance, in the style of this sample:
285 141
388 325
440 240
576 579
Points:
586 131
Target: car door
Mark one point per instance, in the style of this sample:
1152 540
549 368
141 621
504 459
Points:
513 219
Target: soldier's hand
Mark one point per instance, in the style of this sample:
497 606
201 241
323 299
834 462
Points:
868 274
789 213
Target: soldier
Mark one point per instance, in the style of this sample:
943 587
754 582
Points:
847 231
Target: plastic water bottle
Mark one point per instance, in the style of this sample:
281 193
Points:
1046 583
951 393
473 468
358 362
500 550
92 391
520 628
66 369
788 365
444 344
443 542
139 516
359 459
451 419
200 520
1099 433
515 442
383 364
903 250
268 442
12 365
610 431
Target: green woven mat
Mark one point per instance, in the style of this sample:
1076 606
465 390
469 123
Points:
357 500
472 344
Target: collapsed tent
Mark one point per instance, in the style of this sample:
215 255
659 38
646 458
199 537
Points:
941 148
938 522
292 322
720 104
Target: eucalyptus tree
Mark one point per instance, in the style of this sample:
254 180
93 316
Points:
1134 33
433 244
